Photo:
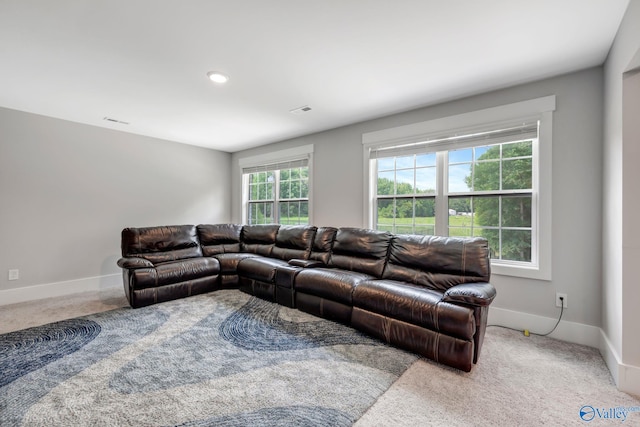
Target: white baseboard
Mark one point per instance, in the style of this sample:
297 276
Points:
626 377
578 333
50 290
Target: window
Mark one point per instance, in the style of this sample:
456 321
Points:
487 190
276 192
479 178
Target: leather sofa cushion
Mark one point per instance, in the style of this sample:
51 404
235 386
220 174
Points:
323 243
416 305
260 268
438 262
330 283
219 238
161 244
361 250
259 239
175 272
229 261
294 241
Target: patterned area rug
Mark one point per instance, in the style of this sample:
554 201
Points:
223 359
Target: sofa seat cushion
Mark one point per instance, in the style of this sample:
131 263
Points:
175 272
330 283
415 304
260 268
229 261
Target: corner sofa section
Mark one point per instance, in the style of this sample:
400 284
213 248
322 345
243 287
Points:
427 294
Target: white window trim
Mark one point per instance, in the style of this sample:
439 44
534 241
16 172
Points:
272 158
541 108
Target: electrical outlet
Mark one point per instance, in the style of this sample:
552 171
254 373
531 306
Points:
14 274
561 302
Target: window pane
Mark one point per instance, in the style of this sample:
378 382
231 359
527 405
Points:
405 162
260 213
406 215
284 212
404 211
487 152
516 211
403 229
425 214
460 206
516 245
459 177
486 211
426 160
426 180
461 220
404 181
385 212
424 229
285 189
516 174
486 176
460 231
386 183
459 156
271 176
267 191
294 213
387 163
517 149
493 237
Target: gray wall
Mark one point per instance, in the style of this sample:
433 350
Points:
67 190
338 187
621 316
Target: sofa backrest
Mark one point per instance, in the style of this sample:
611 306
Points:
161 244
293 241
259 239
438 262
323 243
219 238
361 250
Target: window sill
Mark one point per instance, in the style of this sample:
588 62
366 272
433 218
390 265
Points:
522 271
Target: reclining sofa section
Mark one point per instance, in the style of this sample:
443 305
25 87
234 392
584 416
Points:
427 294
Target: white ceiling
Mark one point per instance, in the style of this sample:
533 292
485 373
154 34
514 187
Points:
145 61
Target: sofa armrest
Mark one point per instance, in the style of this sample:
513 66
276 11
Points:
134 262
477 294
306 263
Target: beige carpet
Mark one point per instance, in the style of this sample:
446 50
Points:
524 381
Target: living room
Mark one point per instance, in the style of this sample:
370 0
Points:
69 188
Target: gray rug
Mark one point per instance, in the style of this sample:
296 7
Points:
223 359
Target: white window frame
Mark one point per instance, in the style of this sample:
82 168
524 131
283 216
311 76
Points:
421 133
274 158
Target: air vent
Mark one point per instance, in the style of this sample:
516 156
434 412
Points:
300 110
111 119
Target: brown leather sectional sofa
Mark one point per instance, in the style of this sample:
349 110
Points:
427 294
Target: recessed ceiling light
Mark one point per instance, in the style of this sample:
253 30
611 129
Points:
217 77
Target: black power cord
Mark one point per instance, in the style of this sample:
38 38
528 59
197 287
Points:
526 332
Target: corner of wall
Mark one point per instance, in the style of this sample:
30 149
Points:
625 377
